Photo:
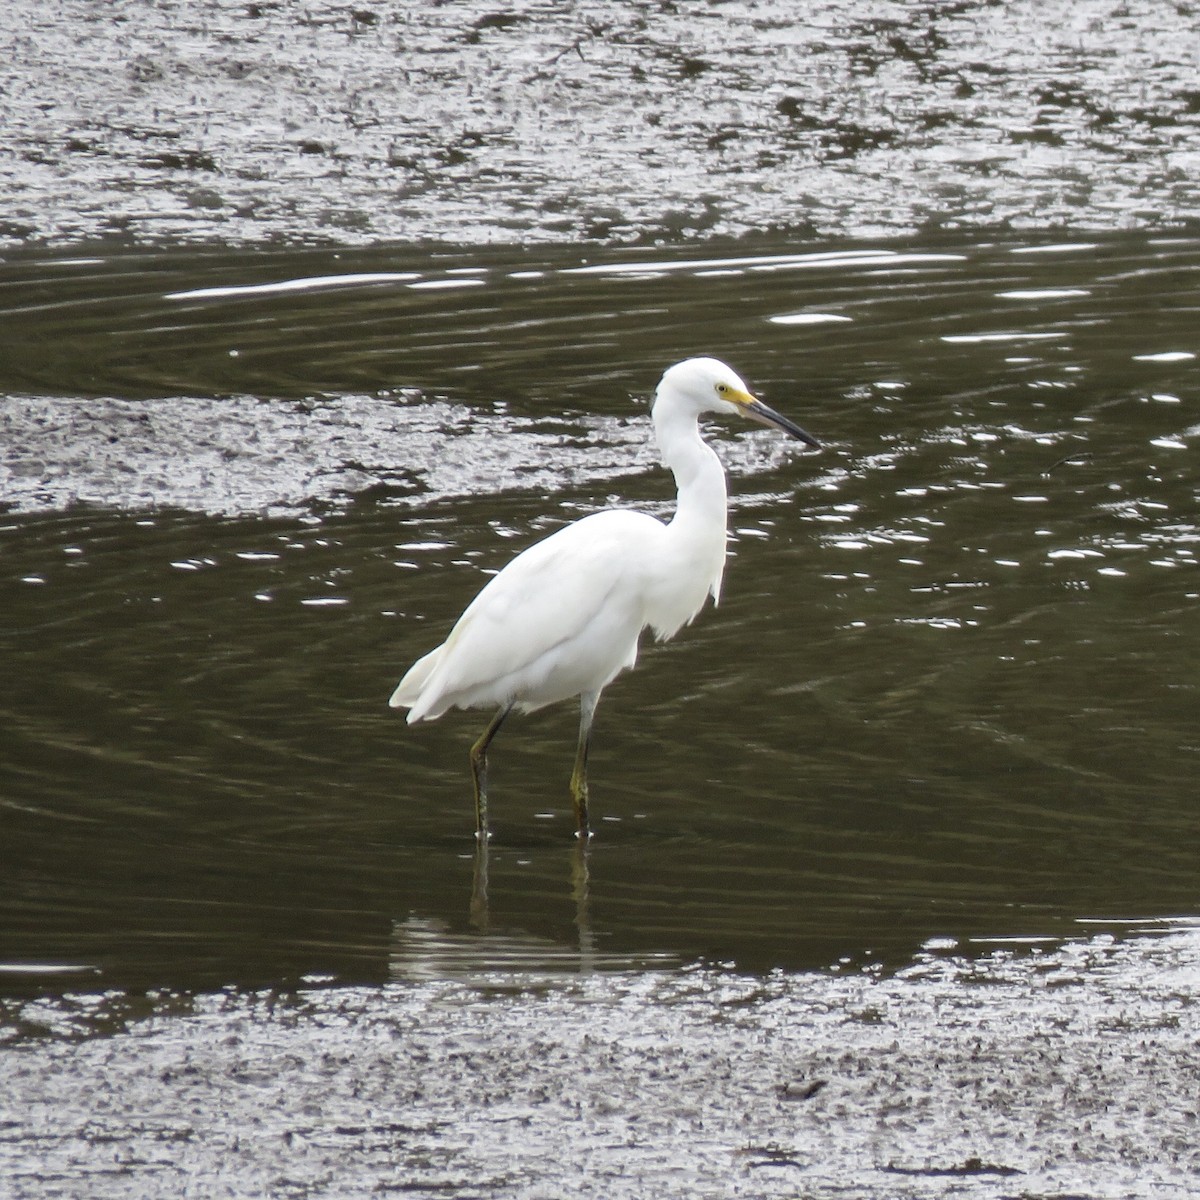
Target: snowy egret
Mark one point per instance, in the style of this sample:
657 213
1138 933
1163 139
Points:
563 619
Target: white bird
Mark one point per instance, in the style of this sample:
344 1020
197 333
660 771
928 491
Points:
564 617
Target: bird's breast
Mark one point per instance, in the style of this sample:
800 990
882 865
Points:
691 568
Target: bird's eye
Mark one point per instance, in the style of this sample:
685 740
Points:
722 388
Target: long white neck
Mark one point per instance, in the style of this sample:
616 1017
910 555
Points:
696 534
699 476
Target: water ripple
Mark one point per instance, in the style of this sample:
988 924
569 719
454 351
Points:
949 692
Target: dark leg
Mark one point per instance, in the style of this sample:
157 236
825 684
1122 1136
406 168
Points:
579 784
479 770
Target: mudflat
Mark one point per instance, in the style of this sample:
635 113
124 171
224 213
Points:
530 121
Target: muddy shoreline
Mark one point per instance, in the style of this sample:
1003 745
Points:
1069 1071
475 123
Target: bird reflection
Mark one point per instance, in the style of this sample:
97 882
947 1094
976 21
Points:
580 880
479 913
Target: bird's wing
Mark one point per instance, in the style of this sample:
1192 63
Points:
547 596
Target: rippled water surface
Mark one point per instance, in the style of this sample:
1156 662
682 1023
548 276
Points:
950 692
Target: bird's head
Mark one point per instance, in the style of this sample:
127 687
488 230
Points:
708 385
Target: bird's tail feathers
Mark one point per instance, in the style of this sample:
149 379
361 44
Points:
408 690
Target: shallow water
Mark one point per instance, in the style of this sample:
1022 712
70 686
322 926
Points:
950 692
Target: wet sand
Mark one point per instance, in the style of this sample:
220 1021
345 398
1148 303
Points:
472 122
1073 1071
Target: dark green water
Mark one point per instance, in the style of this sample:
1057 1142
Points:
951 691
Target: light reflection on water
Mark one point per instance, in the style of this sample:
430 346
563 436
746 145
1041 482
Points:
950 691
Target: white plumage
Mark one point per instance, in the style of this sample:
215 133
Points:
555 621
563 618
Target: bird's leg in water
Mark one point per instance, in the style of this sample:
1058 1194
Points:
579 785
479 770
